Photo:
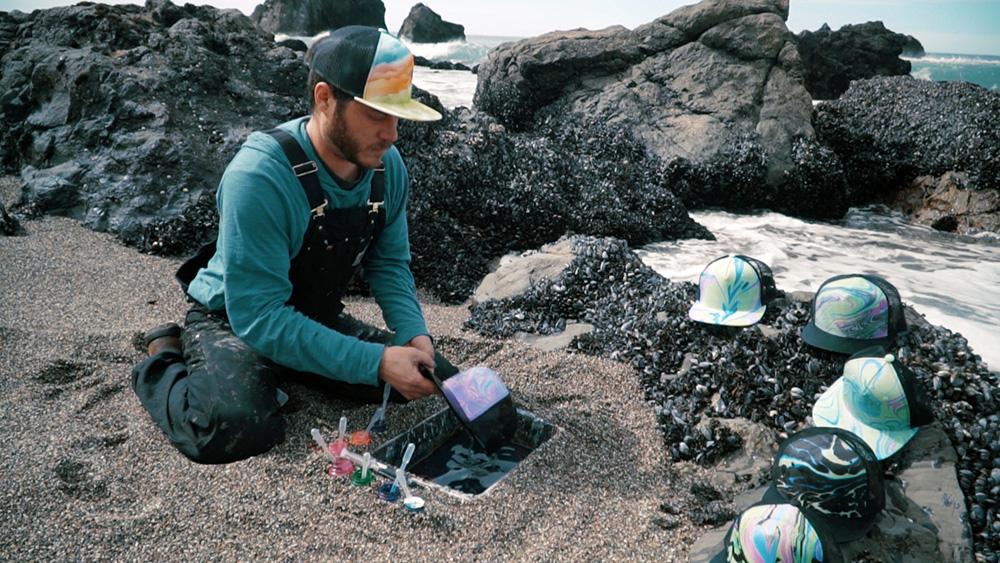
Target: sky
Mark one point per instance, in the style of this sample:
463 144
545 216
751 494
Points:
943 26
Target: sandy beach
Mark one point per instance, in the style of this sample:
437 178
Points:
87 475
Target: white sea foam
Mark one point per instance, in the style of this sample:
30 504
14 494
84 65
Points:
453 87
953 280
922 74
955 60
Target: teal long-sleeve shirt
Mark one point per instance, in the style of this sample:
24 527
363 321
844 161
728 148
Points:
263 217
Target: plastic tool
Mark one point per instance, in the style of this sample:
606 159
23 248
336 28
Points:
410 502
481 402
364 437
362 476
318 437
340 443
407 455
378 421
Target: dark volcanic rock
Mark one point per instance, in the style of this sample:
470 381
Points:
888 131
764 373
309 17
479 192
832 59
689 84
947 204
913 47
439 65
125 117
424 25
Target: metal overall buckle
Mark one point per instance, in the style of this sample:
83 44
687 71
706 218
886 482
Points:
318 211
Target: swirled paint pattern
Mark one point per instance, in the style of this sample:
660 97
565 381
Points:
852 308
729 293
769 533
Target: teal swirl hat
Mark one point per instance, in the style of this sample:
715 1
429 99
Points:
768 533
733 291
853 312
878 399
372 65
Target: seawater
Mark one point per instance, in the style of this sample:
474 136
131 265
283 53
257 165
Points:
978 69
952 280
461 465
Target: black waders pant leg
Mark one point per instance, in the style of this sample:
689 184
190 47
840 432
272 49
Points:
217 404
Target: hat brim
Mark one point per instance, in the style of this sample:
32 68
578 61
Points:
408 109
709 315
814 336
840 528
830 410
831 551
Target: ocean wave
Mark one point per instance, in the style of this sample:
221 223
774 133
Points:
955 60
922 74
465 52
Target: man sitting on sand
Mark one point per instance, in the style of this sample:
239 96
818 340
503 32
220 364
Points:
301 207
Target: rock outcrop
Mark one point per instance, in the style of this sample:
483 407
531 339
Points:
947 204
479 192
888 131
691 84
124 117
424 25
832 59
309 17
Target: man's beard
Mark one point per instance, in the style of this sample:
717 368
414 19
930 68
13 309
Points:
346 145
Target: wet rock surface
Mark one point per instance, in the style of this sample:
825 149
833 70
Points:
124 117
832 59
947 204
424 25
689 83
692 372
309 17
911 128
439 65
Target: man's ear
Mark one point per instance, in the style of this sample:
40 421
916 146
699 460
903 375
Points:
323 96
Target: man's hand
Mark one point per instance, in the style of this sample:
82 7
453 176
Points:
422 343
399 368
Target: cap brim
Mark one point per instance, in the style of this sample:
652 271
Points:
409 109
699 312
814 336
831 411
839 528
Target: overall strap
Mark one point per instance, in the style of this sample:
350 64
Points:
303 168
376 201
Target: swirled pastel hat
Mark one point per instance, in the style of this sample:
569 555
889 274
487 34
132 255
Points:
878 399
373 66
733 291
853 312
768 533
833 477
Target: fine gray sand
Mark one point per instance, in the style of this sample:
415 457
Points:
86 475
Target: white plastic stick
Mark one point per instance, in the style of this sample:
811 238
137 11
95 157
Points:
401 483
316 435
407 455
343 428
379 413
365 464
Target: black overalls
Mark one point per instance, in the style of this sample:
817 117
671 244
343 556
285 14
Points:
219 401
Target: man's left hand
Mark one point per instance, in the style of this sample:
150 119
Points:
422 343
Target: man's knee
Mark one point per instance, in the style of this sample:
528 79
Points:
239 423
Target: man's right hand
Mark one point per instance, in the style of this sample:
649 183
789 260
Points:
400 368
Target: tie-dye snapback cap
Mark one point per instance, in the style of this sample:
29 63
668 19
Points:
768 533
733 291
853 312
833 477
372 65
878 399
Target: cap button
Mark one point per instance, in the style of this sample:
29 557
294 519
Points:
890 358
